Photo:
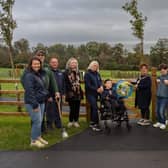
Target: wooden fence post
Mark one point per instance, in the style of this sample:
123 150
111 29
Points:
154 70
0 88
18 98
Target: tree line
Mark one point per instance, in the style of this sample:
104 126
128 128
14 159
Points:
109 57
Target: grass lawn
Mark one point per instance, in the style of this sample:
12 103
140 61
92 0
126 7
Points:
15 133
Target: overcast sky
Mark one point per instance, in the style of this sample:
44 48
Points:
80 21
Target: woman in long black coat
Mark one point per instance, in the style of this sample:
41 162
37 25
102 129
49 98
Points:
143 95
73 91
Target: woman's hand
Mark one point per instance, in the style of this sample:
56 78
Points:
100 89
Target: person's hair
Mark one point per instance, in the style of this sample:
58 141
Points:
163 66
40 52
53 57
69 62
92 63
144 65
29 67
107 81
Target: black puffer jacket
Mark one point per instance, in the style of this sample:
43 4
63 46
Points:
143 92
35 91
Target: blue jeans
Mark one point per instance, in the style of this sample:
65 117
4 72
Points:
36 118
162 103
92 100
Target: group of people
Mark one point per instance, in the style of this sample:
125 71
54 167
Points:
143 96
46 86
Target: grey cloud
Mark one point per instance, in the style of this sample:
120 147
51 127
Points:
79 21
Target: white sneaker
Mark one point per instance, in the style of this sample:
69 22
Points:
146 122
166 122
37 144
69 124
76 124
140 121
43 141
162 126
156 125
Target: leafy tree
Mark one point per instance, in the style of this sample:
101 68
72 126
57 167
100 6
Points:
59 51
22 51
82 56
22 46
138 23
4 62
92 50
71 52
118 53
105 55
159 52
7 26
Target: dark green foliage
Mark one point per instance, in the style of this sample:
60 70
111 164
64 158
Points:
159 52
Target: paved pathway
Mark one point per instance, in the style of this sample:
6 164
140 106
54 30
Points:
142 147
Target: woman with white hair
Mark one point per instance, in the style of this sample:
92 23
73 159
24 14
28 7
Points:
73 91
93 88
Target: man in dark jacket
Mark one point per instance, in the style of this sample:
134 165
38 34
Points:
51 83
52 113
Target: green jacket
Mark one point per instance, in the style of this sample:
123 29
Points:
50 81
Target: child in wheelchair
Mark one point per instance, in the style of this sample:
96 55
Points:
112 108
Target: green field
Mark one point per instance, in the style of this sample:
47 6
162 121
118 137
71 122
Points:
15 133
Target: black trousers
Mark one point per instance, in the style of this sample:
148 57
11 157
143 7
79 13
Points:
74 106
145 113
52 115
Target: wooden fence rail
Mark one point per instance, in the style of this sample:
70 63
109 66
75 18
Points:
19 99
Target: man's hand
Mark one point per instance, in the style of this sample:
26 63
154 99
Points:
50 99
57 95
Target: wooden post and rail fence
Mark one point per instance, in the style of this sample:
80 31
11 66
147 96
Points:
19 103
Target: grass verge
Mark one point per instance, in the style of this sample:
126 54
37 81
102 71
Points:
15 133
